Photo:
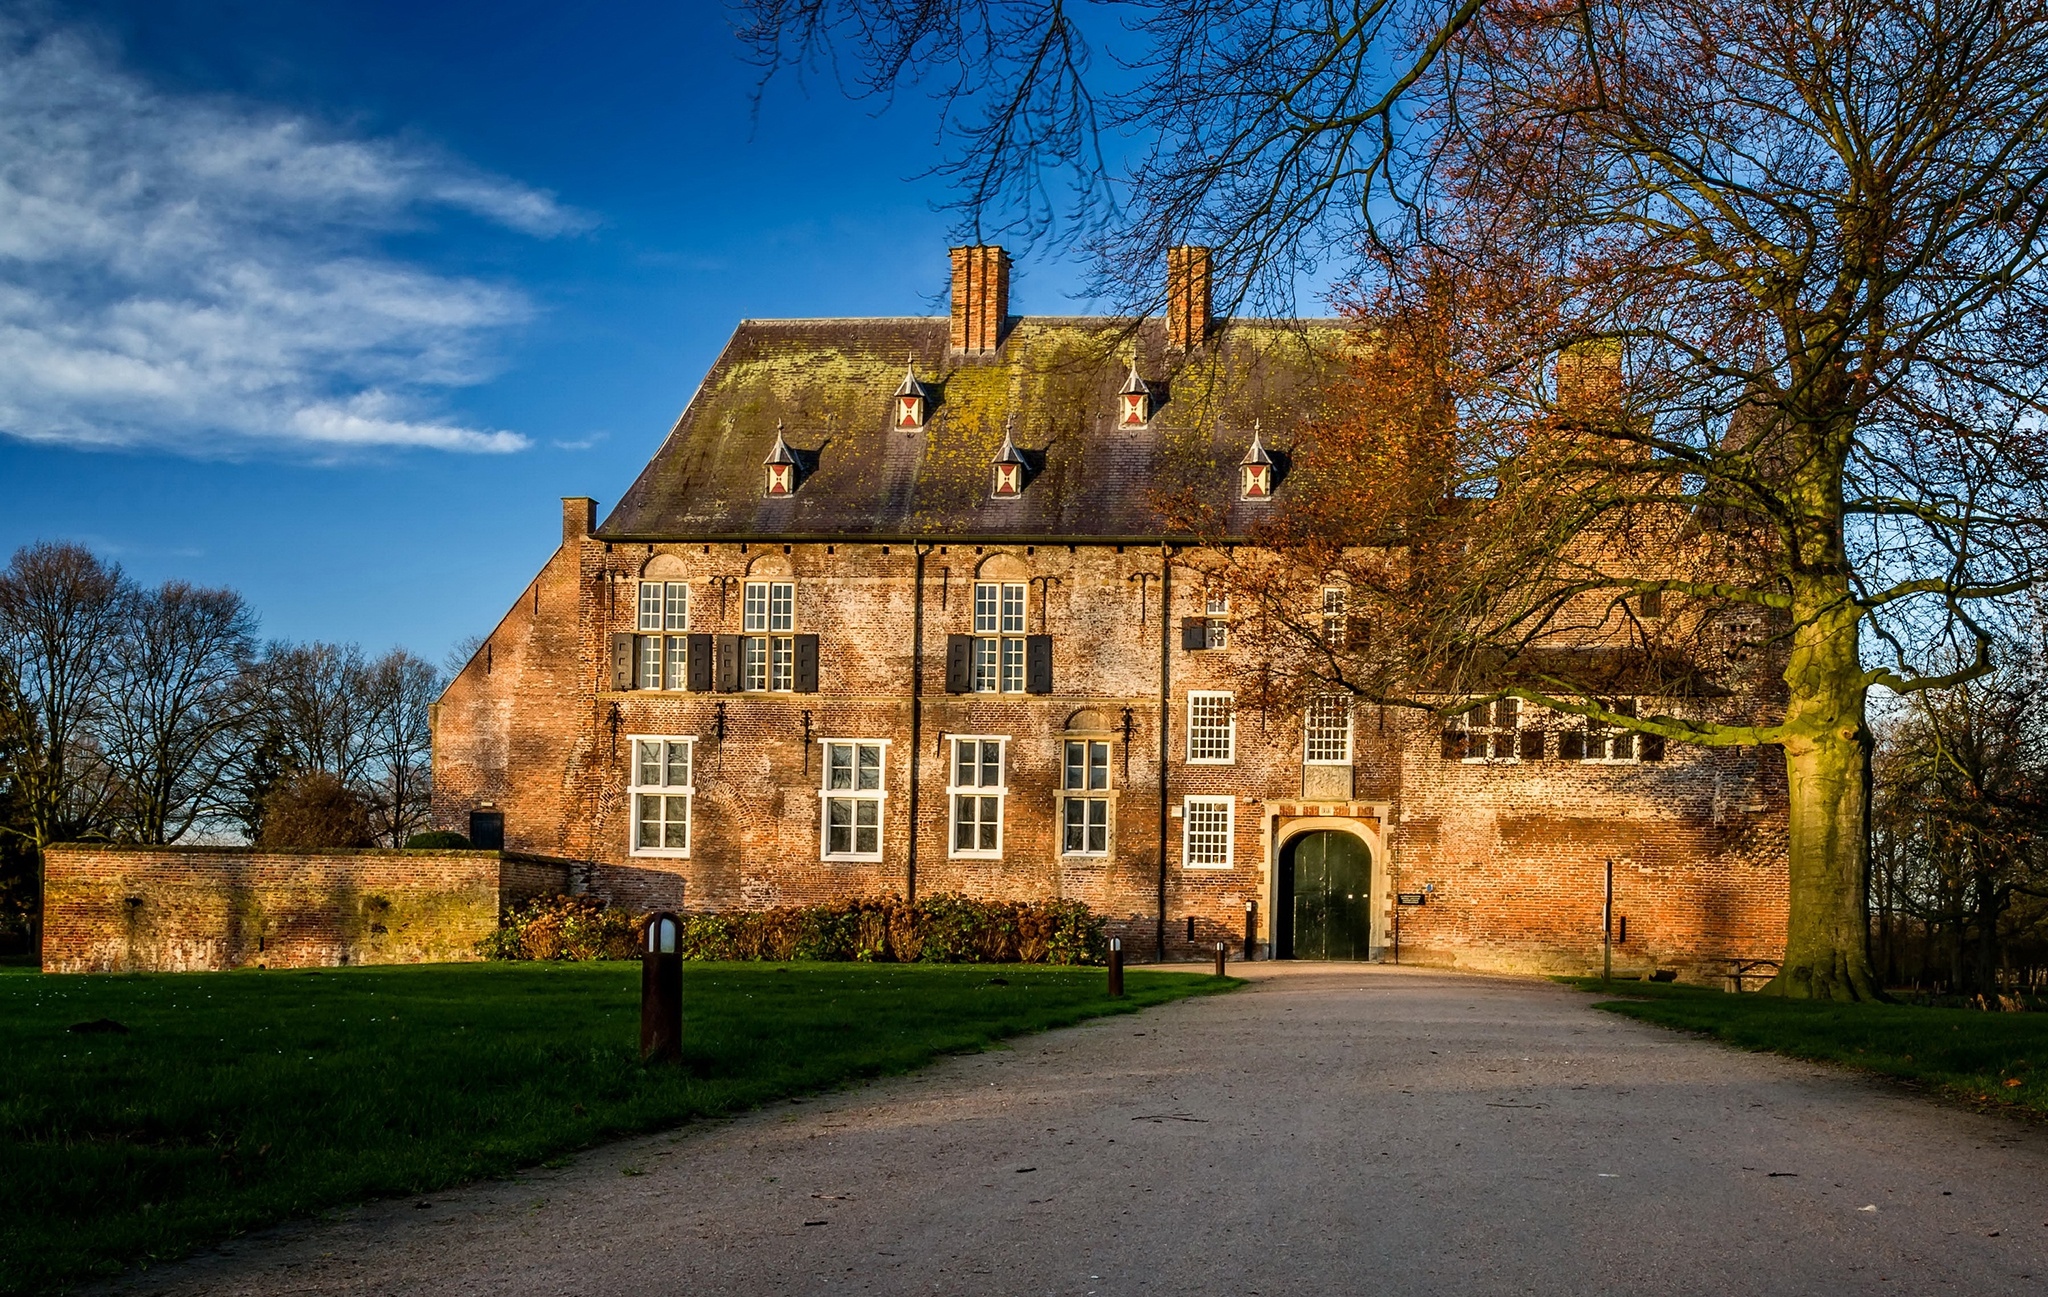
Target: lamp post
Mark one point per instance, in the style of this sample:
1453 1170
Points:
1607 927
661 990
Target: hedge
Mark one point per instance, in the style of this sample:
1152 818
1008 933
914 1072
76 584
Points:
945 929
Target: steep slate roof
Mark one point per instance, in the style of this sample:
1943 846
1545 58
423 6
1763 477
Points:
831 382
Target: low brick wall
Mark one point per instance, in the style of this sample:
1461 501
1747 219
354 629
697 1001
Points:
178 909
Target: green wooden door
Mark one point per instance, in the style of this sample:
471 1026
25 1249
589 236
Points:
1329 876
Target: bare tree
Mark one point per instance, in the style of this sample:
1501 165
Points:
61 611
1809 238
315 699
182 702
400 690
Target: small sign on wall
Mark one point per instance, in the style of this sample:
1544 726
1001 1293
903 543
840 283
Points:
1411 898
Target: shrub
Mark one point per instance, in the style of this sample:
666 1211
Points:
437 840
314 810
946 929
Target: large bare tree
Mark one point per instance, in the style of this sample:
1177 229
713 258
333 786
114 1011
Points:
1809 238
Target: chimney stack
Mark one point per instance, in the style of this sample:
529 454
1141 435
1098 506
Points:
981 297
1187 297
579 517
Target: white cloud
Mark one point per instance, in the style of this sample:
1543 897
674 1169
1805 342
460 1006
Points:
203 275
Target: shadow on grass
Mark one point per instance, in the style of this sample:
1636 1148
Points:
1986 1060
228 1101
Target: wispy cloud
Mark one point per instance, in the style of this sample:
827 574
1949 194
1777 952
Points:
203 275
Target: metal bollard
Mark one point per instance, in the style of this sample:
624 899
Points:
661 990
1219 959
1251 928
1116 969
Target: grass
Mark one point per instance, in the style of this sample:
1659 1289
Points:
1987 1060
237 1100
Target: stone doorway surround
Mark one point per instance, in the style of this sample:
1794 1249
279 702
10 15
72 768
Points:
1294 817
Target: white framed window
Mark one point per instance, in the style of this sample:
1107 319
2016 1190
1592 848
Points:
675 606
851 799
678 667
1216 608
1207 832
1084 812
1607 745
768 662
998 642
650 605
650 661
1326 731
1212 728
1490 732
662 793
1334 607
976 793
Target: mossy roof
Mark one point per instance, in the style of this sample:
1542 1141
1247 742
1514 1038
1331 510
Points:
1053 383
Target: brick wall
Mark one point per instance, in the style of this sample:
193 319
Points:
177 909
1513 853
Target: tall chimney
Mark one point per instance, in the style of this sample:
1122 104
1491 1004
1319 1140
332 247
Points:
981 297
579 515
1187 296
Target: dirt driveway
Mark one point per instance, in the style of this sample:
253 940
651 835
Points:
1329 1129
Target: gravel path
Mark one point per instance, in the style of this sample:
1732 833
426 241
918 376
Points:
1329 1129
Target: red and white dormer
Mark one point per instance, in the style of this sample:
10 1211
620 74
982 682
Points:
1007 471
907 409
1134 402
1255 471
781 465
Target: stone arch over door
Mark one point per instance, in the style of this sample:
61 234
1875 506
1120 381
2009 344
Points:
1328 876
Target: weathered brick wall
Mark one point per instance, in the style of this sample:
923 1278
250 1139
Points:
178 909
534 728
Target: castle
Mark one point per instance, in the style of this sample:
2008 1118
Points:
892 610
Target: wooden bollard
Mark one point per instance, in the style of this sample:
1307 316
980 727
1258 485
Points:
661 990
1219 959
1116 969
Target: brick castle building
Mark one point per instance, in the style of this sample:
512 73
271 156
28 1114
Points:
891 611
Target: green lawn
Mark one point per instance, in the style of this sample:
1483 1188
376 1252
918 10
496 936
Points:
240 1099
1996 1059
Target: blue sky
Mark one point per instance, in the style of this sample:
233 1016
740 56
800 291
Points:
330 300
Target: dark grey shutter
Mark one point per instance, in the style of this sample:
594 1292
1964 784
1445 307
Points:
728 664
1650 747
1532 745
959 664
1194 633
807 664
700 664
1454 745
1038 664
1571 746
1357 632
622 661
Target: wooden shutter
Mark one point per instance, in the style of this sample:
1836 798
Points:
1650 747
959 664
1038 664
700 664
807 664
1571 746
622 661
1357 632
728 648
1454 745
1532 745
1194 633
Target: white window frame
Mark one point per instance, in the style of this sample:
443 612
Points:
675 606
649 662
1336 605
1216 624
650 607
768 615
1087 792
637 790
878 796
1001 609
1608 735
1493 730
675 663
1310 730
1187 832
956 790
1230 737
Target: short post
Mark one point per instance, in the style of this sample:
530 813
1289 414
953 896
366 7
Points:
1116 968
1607 928
1251 929
1219 959
661 990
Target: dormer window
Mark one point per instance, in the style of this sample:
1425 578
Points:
1007 471
781 464
1134 402
909 399
1255 472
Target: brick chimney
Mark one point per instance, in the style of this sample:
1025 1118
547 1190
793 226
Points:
981 297
579 516
1589 380
1187 296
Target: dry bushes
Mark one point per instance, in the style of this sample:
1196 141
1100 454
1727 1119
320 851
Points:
947 929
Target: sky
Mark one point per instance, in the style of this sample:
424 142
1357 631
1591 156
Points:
331 301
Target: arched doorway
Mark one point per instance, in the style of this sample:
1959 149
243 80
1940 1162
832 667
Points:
1325 908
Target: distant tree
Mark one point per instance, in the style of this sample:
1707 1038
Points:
315 810
400 690
316 701
460 653
180 719
62 611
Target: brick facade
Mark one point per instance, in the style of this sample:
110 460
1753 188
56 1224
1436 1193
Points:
181 909
883 541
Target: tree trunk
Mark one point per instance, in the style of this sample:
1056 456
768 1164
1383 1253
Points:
1827 764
